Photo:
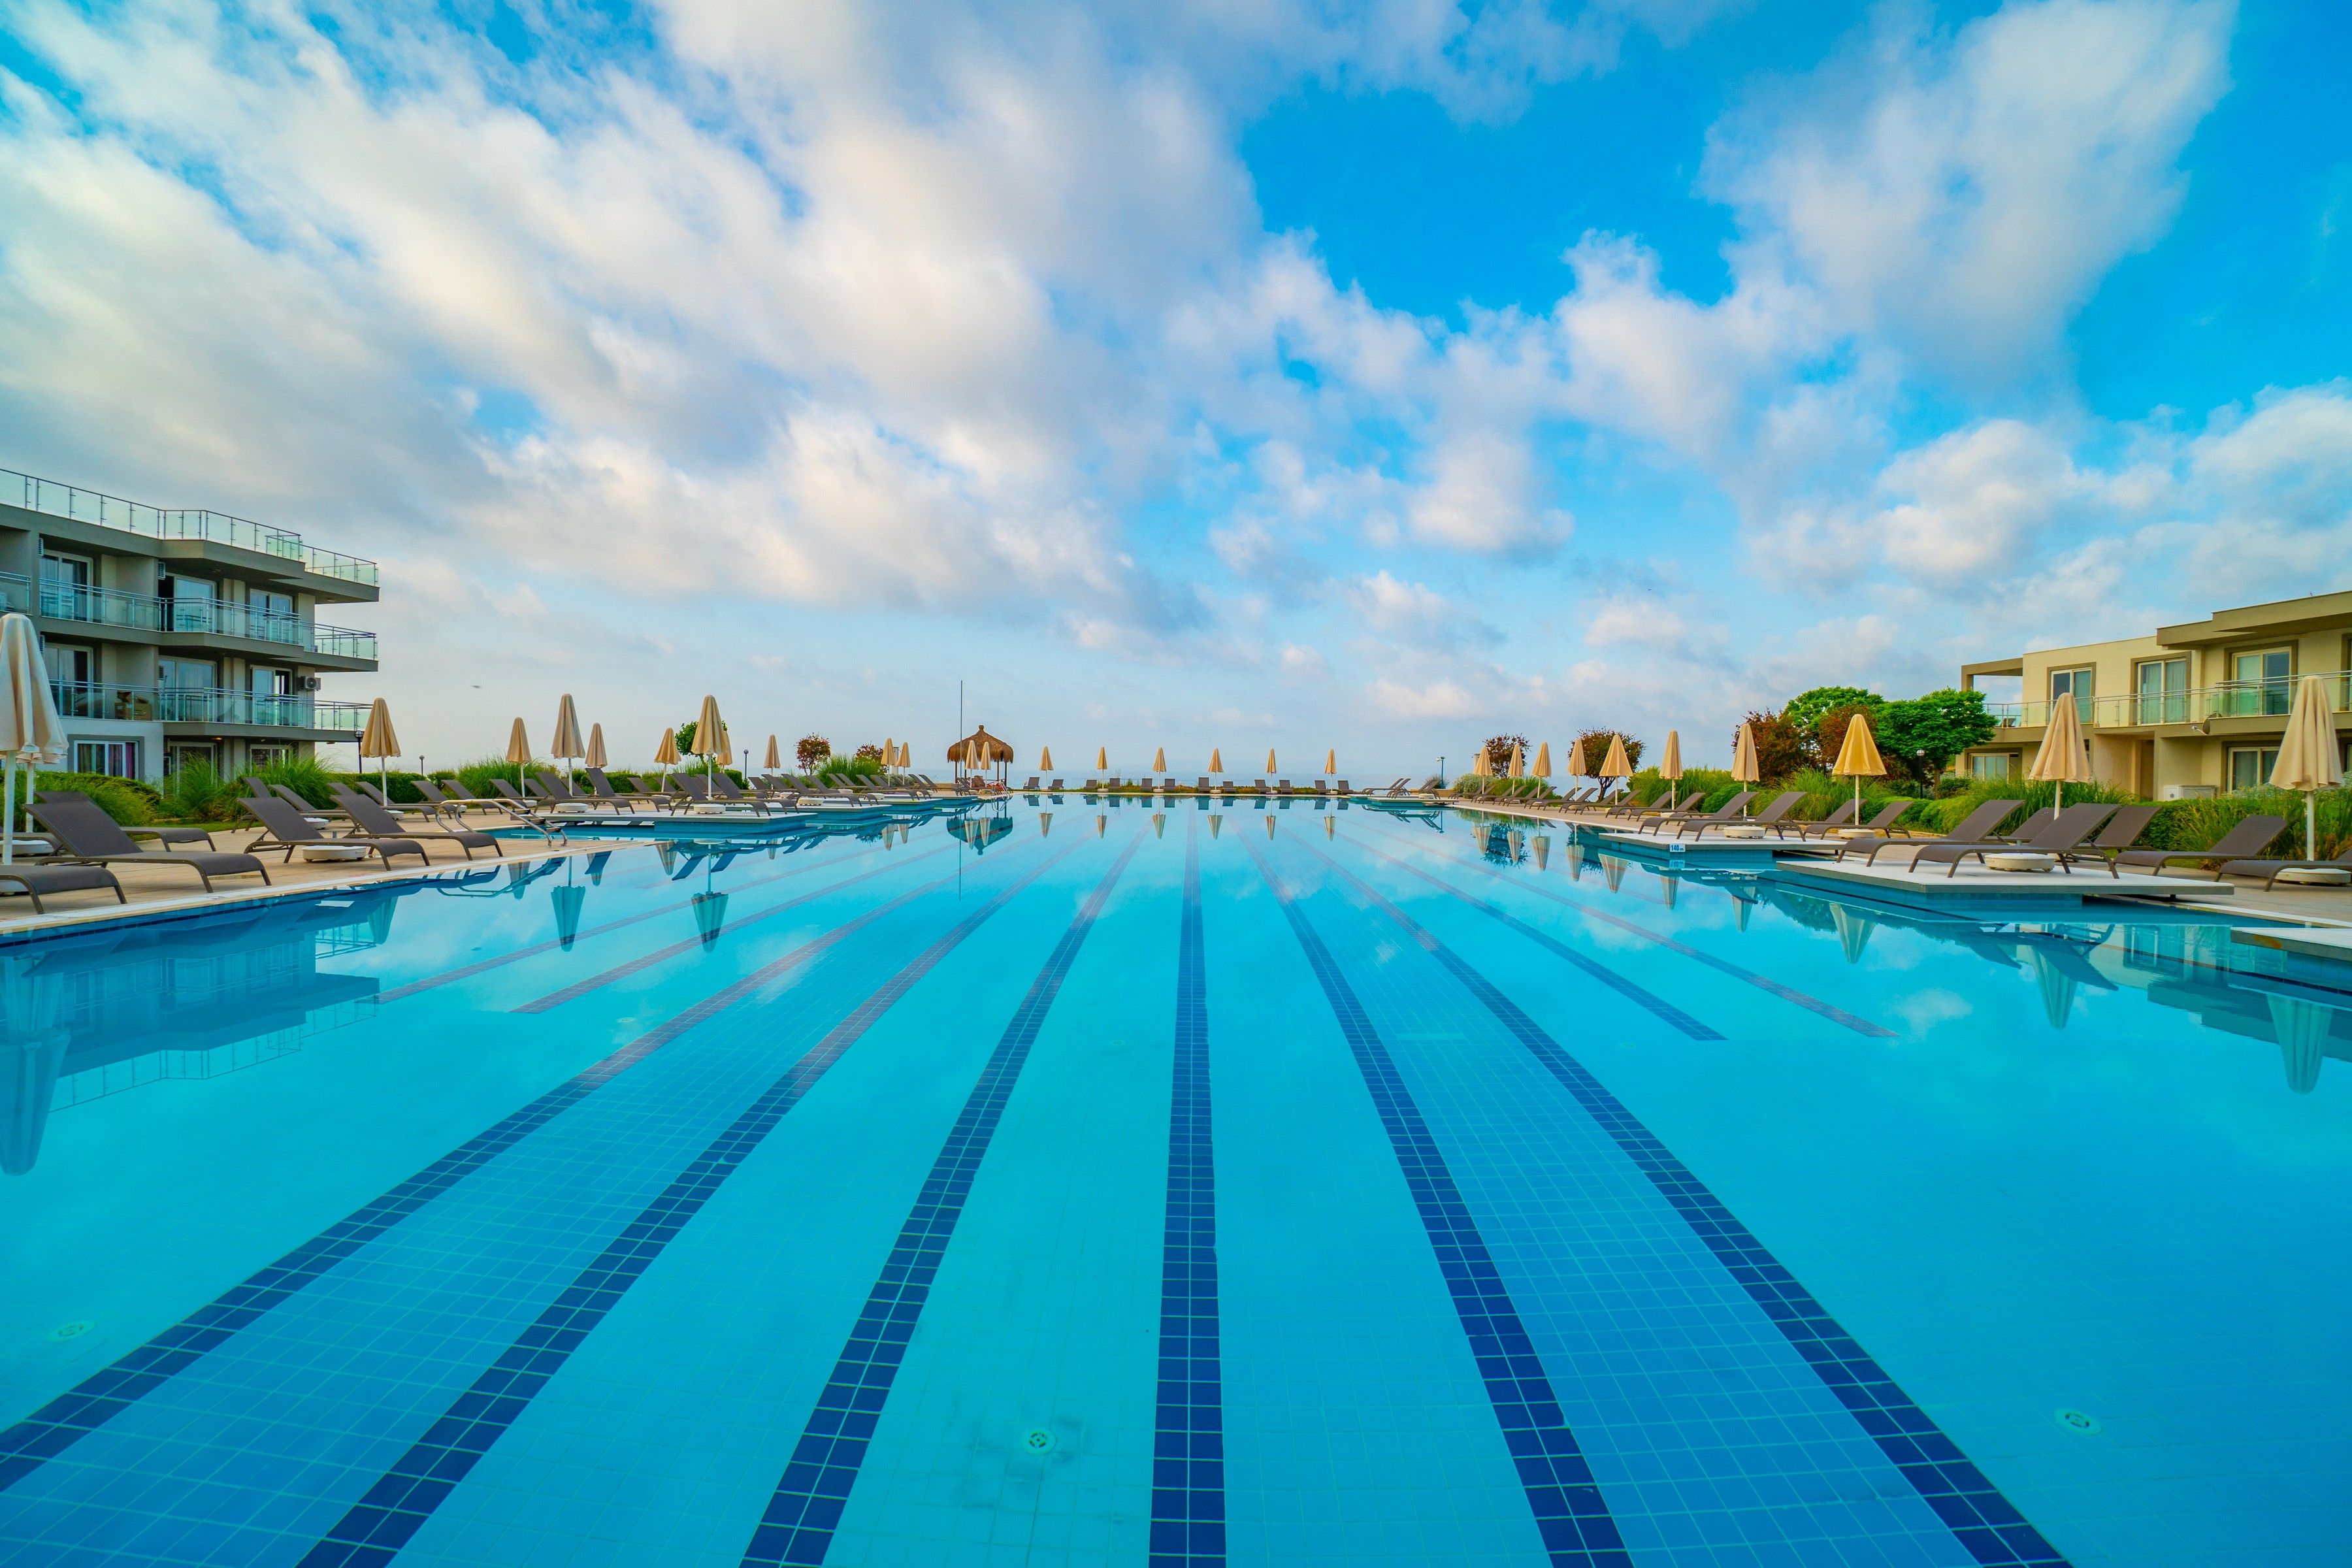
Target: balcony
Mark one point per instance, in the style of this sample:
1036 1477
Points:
2226 699
139 611
205 705
179 522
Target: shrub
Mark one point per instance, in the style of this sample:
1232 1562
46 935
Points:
399 787
133 802
475 776
195 793
859 767
811 749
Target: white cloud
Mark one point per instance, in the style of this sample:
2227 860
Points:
1964 199
1978 503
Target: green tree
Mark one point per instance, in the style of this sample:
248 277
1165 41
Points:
686 739
1925 732
1596 749
1498 749
1806 708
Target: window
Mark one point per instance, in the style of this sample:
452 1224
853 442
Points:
2260 683
118 759
267 603
187 674
2163 692
261 756
271 682
2076 684
191 600
1992 765
2250 766
65 586
179 755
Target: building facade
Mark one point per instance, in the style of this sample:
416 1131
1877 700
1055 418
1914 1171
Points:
2188 709
180 634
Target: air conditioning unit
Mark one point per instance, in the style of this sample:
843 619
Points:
2188 792
308 683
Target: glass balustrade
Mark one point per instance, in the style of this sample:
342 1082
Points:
48 496
113 607
205 705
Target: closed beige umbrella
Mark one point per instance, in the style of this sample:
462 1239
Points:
1269 759
517 750
1744 768
1216 760
1669 765
1102 757
1574 768
378 740
666 753
32 731
595 757
1616 764
706 724
1519 761
2061 760
1331 762
1160 760
1479 766
1858 758
726 748
2307 759
1543 761
906 753
1045 759
775 755
567 743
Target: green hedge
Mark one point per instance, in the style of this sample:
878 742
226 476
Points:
132 802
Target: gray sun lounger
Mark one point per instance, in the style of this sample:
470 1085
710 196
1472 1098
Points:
35 880
281 824
2249 838
2269 869
2061 838
377 822
1728 811
1769 817
169 837
1976 828
86 834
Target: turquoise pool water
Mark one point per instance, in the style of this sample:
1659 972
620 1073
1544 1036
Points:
1082 1184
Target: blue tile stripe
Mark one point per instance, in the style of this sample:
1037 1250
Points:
99 1398
375 1528
1811 1004
659 956
533 950
798 1526
1573 1518
1188 1447
1985 1523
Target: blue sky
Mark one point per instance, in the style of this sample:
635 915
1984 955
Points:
1298 375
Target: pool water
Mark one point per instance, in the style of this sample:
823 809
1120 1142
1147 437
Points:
1072 1182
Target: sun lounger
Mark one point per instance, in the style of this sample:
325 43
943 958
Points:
2269 869
1976 828
2122 831
1769 817
377 822
34 881
1724 813
167 836
2065 833
281 824
86 834
2246 839
1843 817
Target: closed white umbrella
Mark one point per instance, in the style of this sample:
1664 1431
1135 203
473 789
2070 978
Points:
378 740
517 750
31 730
2061 760
567 743
2307 759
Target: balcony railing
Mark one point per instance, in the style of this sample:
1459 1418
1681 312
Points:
205 705
178 522
220 617
2226 699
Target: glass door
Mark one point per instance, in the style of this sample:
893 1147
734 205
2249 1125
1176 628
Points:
2261 682
2163 691
2073 684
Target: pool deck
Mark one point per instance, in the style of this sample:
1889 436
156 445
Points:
1970 885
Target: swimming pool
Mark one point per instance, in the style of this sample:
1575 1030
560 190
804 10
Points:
1081 1183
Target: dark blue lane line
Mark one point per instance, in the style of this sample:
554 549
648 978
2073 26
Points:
1985 1521
580 988
1835 1014
1578 1531
104 1394
515 955
1628 989
383 1521
1188 1444
801 1517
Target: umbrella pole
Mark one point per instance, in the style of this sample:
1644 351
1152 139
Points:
9 834
2311 824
